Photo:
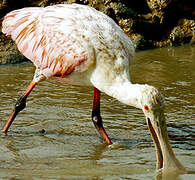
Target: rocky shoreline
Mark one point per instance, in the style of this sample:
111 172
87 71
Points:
149 23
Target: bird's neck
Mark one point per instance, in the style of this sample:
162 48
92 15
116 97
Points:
126 93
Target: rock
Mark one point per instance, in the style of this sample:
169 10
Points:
9 53
183 32
149 23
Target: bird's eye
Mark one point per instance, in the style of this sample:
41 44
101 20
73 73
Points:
146 107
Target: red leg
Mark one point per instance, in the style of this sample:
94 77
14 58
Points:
96 117
19 106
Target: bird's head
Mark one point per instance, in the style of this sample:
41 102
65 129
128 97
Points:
152 104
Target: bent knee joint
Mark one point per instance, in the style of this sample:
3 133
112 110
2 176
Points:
97 119
20 104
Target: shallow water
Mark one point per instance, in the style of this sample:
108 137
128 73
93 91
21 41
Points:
70 147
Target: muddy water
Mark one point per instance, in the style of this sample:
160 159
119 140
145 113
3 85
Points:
70 147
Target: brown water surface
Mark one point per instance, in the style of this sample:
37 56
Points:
70 147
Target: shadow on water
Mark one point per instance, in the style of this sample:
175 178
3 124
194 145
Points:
182 134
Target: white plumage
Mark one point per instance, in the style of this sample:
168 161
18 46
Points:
79 45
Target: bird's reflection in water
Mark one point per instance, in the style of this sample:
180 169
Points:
168 176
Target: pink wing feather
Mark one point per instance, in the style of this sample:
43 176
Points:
45 36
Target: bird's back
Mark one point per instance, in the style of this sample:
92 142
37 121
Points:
61 39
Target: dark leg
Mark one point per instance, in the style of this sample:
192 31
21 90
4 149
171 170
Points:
19 106
96 117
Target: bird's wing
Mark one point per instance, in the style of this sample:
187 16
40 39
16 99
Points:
49 38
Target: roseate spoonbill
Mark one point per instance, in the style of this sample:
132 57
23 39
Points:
81 46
